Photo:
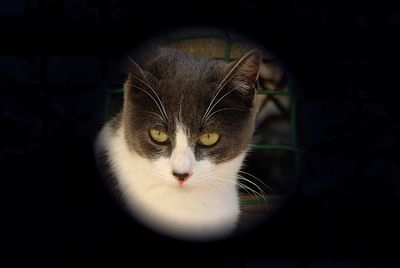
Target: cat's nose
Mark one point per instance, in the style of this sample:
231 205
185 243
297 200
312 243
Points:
181 177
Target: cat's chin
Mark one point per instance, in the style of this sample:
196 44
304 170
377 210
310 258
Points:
202 225
185 187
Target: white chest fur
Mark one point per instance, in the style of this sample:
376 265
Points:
207 207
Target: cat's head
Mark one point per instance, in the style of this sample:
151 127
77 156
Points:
191 117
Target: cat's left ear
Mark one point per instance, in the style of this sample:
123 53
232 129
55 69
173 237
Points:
243 74
136 77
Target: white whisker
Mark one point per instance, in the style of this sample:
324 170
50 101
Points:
230 72
251 192
220 110
155 93
227 81
219 87
246 188
220 99
251 175
156 114
256 194
159 108
261 191
215 183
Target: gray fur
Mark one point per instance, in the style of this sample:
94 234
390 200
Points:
185 85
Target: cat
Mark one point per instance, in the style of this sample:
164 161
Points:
174 151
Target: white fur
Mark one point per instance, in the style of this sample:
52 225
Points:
182 158
205 207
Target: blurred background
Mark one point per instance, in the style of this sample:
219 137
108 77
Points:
57 58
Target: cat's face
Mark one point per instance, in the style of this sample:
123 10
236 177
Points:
192 118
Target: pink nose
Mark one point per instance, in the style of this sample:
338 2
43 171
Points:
181 177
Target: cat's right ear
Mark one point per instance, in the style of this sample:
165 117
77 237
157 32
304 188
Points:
243 74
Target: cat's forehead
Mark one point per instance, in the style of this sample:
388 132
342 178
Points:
194 90
169 64
186 89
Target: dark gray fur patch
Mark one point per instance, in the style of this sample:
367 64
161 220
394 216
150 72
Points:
186 85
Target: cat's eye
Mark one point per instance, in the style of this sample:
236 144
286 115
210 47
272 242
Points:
209 139
158 135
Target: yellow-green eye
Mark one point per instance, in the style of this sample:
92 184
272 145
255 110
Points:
158 135
209 139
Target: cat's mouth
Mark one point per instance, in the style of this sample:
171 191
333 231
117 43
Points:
184 185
